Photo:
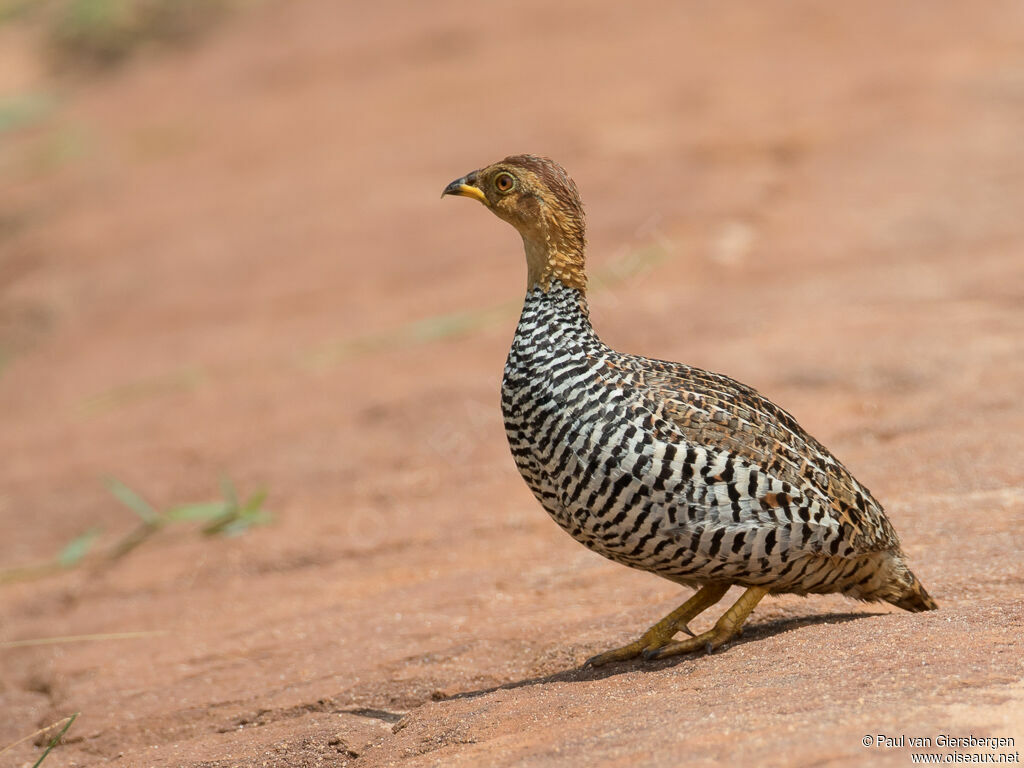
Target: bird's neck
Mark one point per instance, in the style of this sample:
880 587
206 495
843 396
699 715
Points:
555 258
559 312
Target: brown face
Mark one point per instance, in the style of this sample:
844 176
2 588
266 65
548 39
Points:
510 191
522 190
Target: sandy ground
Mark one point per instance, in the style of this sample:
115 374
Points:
232 259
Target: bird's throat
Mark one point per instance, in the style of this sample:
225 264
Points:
549 261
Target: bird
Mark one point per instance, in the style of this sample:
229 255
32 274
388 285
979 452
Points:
664 467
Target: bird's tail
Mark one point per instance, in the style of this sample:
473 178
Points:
915 598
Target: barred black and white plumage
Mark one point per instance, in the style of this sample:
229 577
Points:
663 467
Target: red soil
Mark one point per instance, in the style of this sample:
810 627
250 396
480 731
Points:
822 200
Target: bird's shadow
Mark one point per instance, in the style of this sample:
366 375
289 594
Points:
750 632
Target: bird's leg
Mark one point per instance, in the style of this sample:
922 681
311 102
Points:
724 630
661 634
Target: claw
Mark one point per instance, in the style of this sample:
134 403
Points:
687 630
625 653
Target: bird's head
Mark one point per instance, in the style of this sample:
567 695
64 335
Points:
536 196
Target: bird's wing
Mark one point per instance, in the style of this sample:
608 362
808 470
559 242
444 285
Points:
790 478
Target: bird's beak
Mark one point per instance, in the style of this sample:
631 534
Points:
466 187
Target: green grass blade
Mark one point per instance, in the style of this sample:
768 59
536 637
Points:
204 510
221 524
254 502
131 499
236 519
78 548
56 739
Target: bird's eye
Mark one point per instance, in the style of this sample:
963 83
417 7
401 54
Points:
503 182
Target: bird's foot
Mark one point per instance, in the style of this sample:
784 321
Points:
705 641
650 641
725 629
661 634
656 637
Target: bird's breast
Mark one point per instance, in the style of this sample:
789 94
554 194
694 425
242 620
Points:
572 440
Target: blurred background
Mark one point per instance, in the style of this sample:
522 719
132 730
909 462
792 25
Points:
231 302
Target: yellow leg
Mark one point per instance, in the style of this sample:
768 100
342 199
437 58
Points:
724 630
661 634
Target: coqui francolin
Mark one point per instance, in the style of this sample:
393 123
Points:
664 467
